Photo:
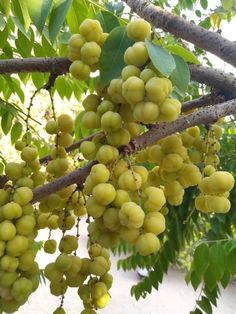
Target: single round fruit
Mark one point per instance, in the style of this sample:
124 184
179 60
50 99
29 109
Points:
147 243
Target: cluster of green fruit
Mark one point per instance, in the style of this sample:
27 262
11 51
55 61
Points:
18 269
112 202
85 48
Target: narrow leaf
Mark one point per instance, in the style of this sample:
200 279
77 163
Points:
78 12
16 132
217 260
205 305
107 20
231 261
112 56
204 4
38 11
57 17
181 74
6 122
5 7
201 259
161 58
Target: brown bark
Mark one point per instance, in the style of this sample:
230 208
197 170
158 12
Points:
179 27
204 101
212 77
204 116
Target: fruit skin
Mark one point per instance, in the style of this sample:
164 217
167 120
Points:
154 222
50 246
131 215
104 193
65 123
136 55
138 30
147 243
79 70
7 230
23 196
102 301
91 30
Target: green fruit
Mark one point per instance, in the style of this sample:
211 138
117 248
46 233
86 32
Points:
11 210
65 123
17 246
7 231
9 263
26 260
99 266
29 154
104 193
79 70
13 171
98 290
147 243
52 127
91 30
154 222
50 246
131 215
63 262
22 288
138 30
23 195
59 310
25 225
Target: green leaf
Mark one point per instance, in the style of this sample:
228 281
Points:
204 4
225 279
5 7
16 132
227 4
231 261
161 58
209 278
6 122
195 280
20 10
187 55
38 79
112 56
3 36
205 305
78 12
181 74
57 17
217 260
38 11
107 20
201 259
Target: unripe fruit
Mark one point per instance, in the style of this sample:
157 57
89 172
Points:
91 30
169 110
154 198
13 171
99 174
105 106
115 91
104 193
222 181
147 74
50 246
133 90
172 163
146 112
64 139
22 288
88 149
111 121
158 89
79 70
107 279
9 263
90 53
68 244
17 246
131 215
7 231
107 154
25 225
52 127
129 235
58 289
26 260
122 197
52 273
91 120
65 123
147 243
91 102
119 137
99 266
29 154
154 222
11 210
129 70
23 195
93 208
138 30
59 310
130 181
63 262
136 55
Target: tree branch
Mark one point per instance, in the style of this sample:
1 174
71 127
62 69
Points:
206 100
72 147
179 27
212 77
205 116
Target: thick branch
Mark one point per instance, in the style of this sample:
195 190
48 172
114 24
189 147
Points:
212 77
204 101
204 116
52 65
157 132
215 78
76 177
179 27
72 147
